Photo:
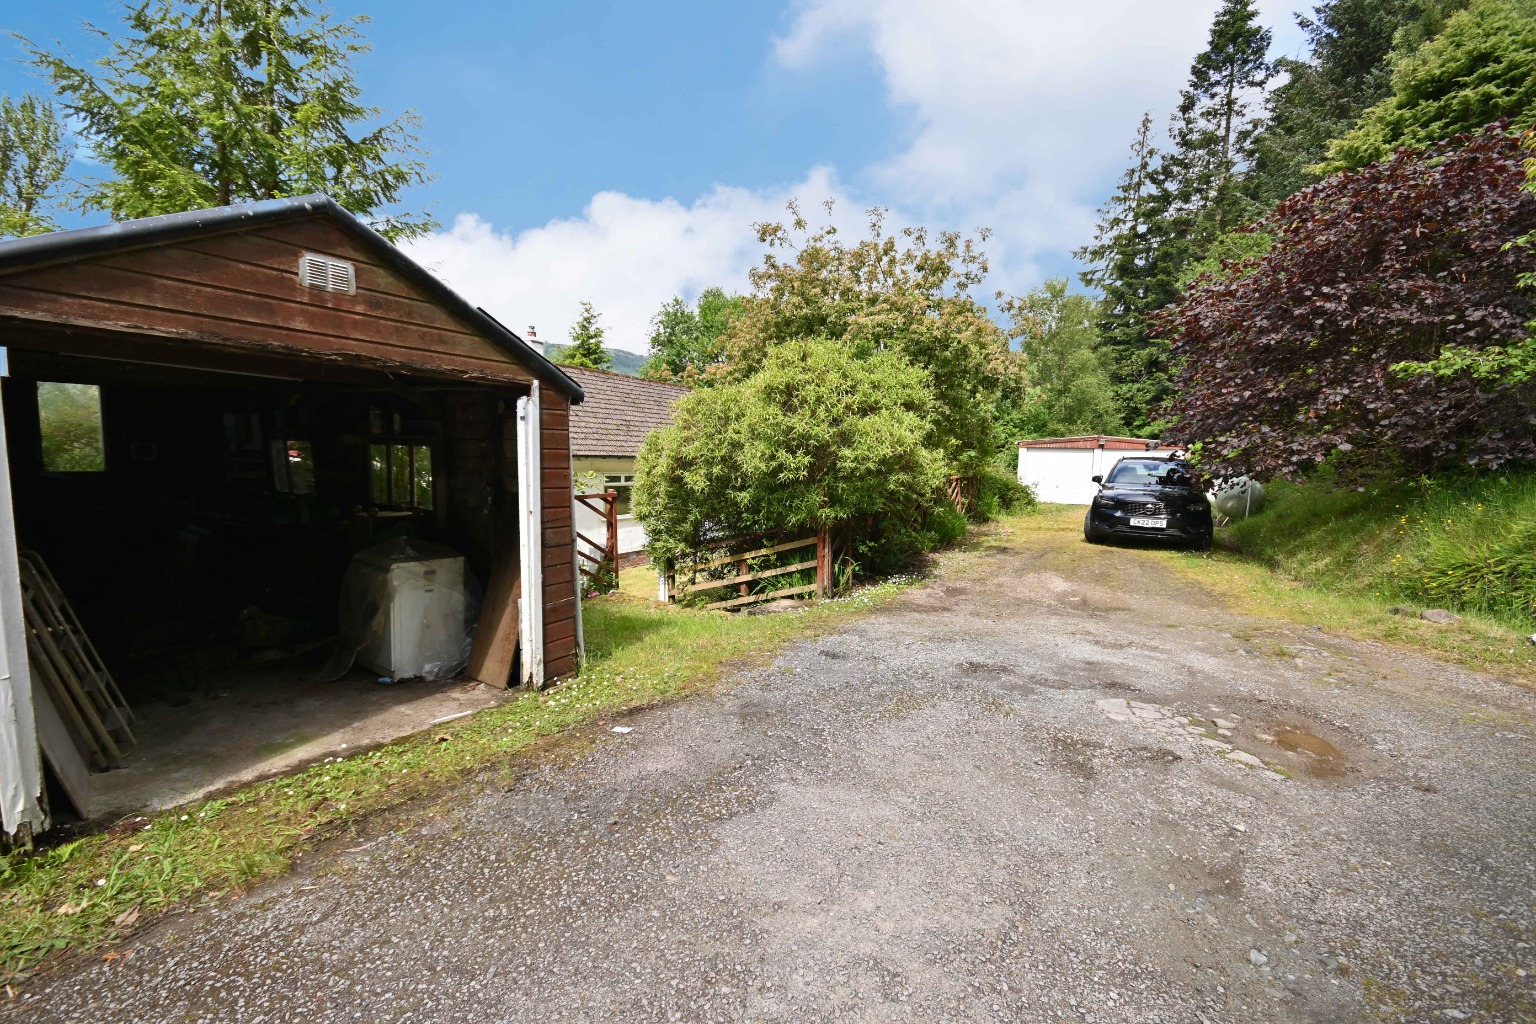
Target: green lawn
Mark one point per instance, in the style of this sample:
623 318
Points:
83 894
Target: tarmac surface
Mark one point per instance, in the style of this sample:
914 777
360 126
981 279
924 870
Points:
1054 784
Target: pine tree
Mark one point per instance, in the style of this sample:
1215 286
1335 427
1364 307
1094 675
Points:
200 104
1214 126
1346 71
586 347
34 154
1134 263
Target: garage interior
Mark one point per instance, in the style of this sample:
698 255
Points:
201 520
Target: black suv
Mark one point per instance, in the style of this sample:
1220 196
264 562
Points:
1145 497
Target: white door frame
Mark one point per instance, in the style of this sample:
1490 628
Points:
530 476
21 763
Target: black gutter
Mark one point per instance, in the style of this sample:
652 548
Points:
64 246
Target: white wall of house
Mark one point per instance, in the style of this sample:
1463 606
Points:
609 473
1065 475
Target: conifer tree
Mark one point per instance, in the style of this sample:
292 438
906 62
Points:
1214 126
1133 263
1479 68
1346 71
586 347
201 103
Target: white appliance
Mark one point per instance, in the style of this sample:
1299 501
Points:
419 629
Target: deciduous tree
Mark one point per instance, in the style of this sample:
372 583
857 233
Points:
686 341
1070 390
34 154
908 293
818 434
1298 360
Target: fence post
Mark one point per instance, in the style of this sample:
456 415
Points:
611 548
668 581
823 566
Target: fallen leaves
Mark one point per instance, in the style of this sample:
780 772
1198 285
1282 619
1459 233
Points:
71 909
126 918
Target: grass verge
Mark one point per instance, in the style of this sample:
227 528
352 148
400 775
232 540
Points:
86 893
1466 544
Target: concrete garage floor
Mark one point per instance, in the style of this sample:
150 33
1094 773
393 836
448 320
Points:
978 804
254 723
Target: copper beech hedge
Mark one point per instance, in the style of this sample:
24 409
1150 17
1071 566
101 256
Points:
1287 360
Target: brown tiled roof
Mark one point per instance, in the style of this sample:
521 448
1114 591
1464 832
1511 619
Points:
1095 441
618 412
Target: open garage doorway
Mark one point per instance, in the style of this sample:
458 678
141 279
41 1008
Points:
201 524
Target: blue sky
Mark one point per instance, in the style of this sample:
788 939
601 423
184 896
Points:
620 152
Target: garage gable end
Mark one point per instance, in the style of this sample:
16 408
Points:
299 276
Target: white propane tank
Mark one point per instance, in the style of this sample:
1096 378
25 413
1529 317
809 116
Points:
1237 498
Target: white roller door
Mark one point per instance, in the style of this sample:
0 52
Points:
1063 475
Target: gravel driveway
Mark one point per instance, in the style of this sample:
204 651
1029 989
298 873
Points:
1055 784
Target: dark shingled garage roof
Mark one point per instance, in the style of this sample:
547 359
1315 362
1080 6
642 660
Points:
618 412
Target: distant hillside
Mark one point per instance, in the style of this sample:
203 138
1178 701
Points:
623 362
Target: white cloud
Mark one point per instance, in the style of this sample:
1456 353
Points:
1021 111
626 255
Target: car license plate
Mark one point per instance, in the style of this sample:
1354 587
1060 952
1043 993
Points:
1156 524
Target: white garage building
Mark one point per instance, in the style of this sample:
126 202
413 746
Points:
1061 469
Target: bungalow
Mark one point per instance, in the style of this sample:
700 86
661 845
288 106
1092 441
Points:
209 418
607 431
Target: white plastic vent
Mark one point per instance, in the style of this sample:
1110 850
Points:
327 274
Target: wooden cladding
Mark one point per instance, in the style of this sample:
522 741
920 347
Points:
244 287
559 535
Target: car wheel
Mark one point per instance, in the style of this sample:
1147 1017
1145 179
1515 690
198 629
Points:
1091 535
1203 542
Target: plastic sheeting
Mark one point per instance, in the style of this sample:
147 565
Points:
408 610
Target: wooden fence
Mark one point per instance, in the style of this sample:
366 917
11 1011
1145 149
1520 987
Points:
599 562
710 570
962 492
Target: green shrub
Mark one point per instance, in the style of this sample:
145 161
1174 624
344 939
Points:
1001 493
944 527
816 437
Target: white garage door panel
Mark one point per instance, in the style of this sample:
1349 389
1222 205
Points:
1065 475
1062 475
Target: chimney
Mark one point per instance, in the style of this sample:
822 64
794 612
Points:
533 340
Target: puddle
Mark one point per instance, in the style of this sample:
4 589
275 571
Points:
1324 760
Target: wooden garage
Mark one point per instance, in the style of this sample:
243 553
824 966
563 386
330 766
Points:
209 416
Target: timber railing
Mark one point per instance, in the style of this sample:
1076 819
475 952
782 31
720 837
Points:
962 491
746 562
598 561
